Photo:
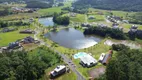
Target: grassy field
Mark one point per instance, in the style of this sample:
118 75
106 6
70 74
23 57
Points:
78 18
6 38
52 10
96 18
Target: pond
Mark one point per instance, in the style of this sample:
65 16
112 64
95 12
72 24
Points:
72 38
46 21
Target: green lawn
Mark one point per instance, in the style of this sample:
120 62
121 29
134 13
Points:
6 38
49 11
96 18
78 18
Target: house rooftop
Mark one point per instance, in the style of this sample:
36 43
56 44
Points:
88 59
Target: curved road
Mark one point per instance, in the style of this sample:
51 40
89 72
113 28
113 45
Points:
64 57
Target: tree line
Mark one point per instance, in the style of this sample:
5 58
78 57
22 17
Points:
4 24
113 33
126 5
106 32
27 65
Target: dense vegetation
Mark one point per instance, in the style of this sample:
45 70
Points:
127 5
126 65
4 12
61 20
38 4
4 24
26 65
106 32
136 18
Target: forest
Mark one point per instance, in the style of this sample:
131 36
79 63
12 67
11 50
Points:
126 65
125 5
24 65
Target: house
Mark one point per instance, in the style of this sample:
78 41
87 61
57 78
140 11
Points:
8 30
12 45
139 34
91 17
133 28
28 31
58 71
88 61
102 25
102 57
107 58
3 49
28 40
86 25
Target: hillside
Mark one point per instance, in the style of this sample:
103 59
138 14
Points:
126 5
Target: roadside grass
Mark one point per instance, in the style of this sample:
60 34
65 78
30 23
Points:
78 18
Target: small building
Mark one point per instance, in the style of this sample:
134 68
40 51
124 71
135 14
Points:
107 58
3 49
28 31
8 30
91 17
86 25
12 45
88 61
134 28
58 71
28 40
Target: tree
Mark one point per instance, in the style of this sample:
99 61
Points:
125 65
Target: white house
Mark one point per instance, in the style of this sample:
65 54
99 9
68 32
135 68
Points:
88 61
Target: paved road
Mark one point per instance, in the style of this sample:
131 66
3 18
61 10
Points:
65 58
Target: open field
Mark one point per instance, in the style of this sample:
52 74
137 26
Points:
49 11
96 18
78 18
6 38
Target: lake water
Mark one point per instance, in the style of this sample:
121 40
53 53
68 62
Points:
72 38
46 21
